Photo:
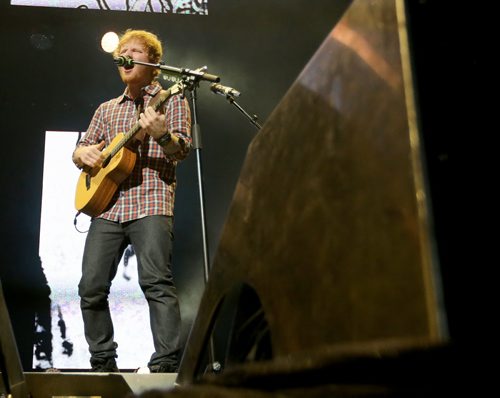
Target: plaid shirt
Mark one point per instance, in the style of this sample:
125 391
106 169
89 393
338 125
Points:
150 188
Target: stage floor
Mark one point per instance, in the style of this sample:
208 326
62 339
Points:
87 384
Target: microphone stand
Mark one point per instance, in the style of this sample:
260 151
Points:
190 79
185 74
253 119
197 145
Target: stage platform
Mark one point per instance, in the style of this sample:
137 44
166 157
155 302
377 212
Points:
87 384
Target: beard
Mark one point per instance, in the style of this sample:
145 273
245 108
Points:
140 75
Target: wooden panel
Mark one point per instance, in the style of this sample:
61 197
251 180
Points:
11 371
329 222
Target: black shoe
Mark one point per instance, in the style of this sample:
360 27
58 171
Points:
107 365
164 367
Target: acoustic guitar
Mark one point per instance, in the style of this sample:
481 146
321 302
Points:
96 186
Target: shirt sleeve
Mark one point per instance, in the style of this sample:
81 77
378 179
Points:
178 118
95 131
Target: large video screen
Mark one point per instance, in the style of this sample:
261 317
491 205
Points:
60 341
197 7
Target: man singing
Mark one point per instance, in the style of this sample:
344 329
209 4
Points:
141 211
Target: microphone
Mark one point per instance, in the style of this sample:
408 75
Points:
126 62
224 90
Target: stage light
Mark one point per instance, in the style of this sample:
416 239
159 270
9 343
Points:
109 41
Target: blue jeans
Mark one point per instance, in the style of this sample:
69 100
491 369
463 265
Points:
106 241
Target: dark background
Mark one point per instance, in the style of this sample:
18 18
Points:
54 75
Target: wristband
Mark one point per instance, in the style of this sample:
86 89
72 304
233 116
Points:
164 139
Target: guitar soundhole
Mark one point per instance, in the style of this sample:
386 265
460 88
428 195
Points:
87 181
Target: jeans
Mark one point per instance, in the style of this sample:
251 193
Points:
106 241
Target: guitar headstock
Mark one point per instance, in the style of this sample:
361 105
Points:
164 95
177 88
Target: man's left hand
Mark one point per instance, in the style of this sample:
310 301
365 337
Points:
152 123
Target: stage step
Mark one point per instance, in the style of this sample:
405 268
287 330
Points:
95 385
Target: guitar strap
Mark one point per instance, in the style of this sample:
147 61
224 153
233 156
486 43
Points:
139 102
139 106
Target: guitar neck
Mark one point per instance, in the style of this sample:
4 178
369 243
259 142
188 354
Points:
126 138
163 97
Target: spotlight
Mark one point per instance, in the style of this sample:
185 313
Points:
109 42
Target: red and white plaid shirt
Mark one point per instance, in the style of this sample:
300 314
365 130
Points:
150 188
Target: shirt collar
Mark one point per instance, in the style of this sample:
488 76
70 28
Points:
151 90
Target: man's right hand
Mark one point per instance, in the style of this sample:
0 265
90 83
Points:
90 155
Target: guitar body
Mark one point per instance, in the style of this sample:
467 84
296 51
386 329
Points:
96 187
